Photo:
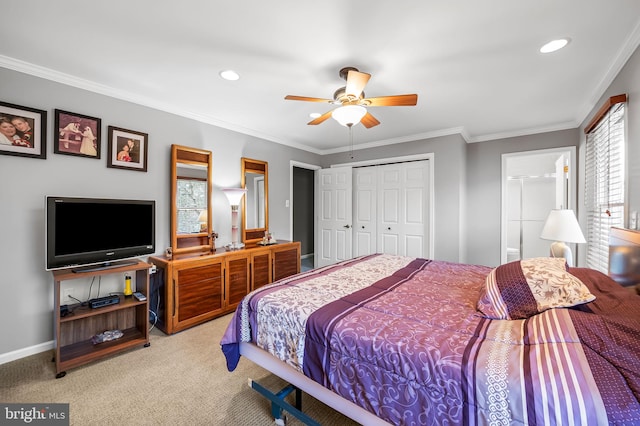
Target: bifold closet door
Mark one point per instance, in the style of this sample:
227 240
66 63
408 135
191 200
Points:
402 209
365 204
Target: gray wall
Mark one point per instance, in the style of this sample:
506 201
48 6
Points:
467 186
627 81
26 289
484 197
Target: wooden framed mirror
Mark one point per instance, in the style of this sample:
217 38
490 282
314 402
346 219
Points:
255 203
191 188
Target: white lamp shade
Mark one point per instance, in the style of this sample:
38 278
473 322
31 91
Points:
234 195
202 217
562 225
349 115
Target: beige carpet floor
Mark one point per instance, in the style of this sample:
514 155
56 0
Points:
179 380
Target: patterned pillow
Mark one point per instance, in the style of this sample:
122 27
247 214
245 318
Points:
523 288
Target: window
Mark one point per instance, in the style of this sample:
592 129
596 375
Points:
604 179
191 201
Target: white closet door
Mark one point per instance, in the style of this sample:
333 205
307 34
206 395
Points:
333 207
365 189
403 209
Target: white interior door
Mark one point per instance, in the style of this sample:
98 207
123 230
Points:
334 215
365 187
403 206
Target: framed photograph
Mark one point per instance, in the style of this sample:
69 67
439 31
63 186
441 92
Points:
23 131
77 134
127 149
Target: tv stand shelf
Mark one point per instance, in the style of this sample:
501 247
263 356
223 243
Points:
80 312
73 332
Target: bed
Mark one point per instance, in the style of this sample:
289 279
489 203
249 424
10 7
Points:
398 340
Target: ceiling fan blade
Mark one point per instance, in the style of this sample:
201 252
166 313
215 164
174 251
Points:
369 120
396 100
305 98
356 81
320 119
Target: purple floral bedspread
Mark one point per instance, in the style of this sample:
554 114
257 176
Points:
401 337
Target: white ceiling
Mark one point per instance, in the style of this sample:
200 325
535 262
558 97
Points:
475 65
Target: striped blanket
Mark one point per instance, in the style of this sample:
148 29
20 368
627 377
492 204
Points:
401 337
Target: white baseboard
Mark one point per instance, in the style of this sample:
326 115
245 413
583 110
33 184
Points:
25 352
304 256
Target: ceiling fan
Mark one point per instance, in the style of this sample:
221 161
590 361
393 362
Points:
352 101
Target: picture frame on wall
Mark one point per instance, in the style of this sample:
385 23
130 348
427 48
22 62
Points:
127 149
77 134
23 131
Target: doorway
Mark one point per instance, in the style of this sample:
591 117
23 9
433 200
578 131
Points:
533 183
302 211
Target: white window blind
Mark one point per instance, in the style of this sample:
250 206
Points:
604 184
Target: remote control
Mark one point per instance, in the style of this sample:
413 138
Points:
141 297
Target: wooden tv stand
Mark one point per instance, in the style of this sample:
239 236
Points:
73 332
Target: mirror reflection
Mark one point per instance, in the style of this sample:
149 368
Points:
191 188
255 207
191 203
255 213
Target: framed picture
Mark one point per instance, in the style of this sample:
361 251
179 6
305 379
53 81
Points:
23 131
127 149
77 134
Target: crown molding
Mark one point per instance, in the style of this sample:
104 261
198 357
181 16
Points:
73 81
626 51
525 132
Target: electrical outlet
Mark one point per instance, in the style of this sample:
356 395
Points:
65 296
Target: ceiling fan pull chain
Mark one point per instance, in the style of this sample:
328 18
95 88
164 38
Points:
351 140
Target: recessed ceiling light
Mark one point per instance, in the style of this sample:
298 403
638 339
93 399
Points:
230 75
554 45
315 115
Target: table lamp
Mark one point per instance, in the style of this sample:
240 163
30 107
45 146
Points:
562 227
235 196
203 219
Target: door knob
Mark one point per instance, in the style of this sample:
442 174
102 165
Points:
389 229
362 226
347 226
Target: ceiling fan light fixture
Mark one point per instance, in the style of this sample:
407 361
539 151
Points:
349 115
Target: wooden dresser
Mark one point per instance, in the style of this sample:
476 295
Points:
192 288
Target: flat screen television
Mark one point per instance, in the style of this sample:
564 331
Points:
81 232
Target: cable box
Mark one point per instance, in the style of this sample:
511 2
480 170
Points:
104 301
